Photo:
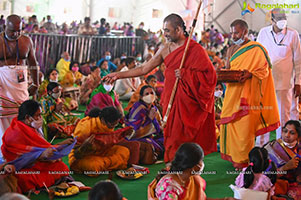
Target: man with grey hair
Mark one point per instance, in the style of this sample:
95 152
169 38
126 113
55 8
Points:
63 65
283 46
15 53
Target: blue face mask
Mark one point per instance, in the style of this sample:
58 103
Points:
108 57
239 41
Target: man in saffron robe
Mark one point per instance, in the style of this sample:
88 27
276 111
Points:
35 159
250 106
191 117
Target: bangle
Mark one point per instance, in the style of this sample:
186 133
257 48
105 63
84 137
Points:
33 85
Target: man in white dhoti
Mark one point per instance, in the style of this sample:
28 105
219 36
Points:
283 46
16 57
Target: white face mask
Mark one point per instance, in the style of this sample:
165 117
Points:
56 80
239 41
218 93
36 123
56 95
281 24
108 88
149 99
290 145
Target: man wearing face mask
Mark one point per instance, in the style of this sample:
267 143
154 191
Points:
63 65
283 46
49 25
108 57
104 96
139 57
140 31
16 51
250 107
58 122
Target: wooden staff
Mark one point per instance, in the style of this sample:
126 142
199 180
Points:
181 65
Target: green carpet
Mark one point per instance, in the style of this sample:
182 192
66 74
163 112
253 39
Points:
218 173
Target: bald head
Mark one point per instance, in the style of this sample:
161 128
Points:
175 20
243 24
65 55
239 31
174 28
13 19
13 27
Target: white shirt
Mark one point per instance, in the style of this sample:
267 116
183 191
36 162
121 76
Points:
124 86
285 54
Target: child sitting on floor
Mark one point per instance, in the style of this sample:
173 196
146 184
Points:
259 174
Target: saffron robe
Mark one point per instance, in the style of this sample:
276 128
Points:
250 108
